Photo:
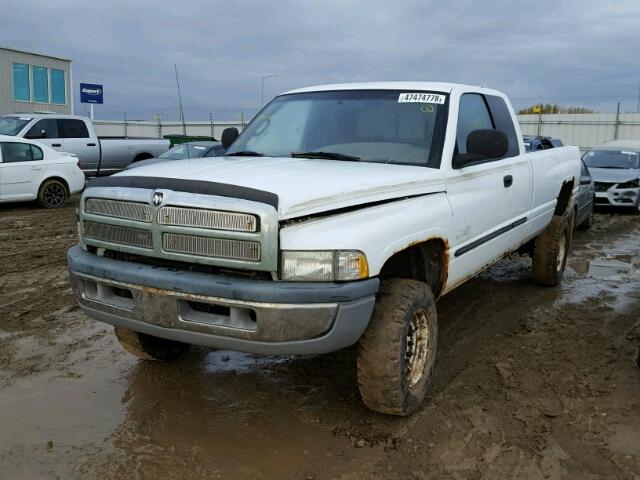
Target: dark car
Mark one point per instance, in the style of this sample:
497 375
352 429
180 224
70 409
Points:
183 151
535 142
585 199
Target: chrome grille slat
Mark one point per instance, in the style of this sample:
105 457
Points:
210 219
211 247
119 209
116 234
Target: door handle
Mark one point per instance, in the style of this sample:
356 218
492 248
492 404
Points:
91 144
56 144
36 168
508 181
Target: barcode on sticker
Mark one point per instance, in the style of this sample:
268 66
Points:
421 98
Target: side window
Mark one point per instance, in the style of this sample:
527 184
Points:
585 170
72 128
36 153
472 115
46 128
14 152
503 121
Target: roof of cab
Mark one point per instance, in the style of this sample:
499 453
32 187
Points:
444 87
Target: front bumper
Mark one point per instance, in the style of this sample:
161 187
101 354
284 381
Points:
619 197
255 316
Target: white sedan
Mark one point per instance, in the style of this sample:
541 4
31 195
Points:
32 171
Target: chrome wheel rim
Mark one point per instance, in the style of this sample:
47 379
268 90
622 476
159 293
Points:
417 348
562 246
54 195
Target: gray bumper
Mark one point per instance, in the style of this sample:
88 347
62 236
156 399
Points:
619 197
254 316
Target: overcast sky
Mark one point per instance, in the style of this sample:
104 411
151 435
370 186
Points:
581 52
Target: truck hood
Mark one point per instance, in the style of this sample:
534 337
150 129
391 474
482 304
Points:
304 186
613 175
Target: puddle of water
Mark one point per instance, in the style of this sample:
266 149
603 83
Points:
614 266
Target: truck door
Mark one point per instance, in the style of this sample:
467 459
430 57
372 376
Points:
46 131
521 171
480 195
76 139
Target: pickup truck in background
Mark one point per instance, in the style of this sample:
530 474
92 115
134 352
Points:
74 134
338 216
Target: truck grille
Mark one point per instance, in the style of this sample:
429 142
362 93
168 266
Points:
118 209
211 219
211 247
115 234
603 186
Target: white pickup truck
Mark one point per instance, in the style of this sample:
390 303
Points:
338 216
74 134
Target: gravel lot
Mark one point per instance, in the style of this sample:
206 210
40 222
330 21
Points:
531 382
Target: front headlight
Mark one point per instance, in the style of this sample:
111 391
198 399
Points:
630 184
324 266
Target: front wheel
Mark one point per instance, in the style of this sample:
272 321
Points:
397 351
52 194
550 251
149 347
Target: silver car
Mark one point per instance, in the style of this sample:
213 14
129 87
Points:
615 168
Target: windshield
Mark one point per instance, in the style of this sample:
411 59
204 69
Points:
185 150
12 125
612 159
383 126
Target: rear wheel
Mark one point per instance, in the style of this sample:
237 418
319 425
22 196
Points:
588 222
550 251
149 347
52 194
396 354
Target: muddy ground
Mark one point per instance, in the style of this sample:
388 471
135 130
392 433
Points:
531 382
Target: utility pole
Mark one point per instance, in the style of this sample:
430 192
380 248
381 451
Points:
211 123
617 126
263 78
184 126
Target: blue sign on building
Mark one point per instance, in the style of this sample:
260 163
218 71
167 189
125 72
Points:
90 93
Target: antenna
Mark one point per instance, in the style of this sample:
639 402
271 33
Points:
184 126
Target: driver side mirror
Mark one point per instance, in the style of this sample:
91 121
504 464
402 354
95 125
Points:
482 145
229 136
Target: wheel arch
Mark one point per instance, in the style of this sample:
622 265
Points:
426 261
58 178
565 200
142 156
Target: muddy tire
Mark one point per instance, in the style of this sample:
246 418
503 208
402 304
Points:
550 251
52 194
397 351
588 222
149 347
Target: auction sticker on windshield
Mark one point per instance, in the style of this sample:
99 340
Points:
421 98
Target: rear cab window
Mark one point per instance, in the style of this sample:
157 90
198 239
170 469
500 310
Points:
72 128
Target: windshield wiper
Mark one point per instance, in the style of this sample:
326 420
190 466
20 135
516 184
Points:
245 153
327 155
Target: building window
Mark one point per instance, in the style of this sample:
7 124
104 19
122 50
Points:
21 90
40 85
58 94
